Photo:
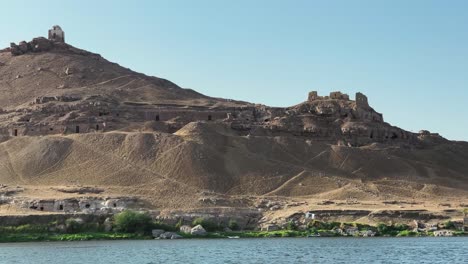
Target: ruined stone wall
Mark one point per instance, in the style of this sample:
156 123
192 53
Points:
181 115
339 96
36 45
313 96
91 118
361 100
82 205
56 34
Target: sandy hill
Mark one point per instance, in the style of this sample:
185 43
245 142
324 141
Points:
70 117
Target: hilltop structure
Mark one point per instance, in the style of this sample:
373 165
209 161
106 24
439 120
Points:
56 34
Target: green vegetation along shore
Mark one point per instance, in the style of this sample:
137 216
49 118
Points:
136 225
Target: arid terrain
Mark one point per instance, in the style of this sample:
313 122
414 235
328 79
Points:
76 126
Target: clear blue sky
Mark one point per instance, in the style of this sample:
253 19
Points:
409 57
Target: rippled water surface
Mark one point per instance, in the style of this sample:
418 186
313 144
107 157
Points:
279 250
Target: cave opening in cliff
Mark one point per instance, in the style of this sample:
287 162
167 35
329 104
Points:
77 129
394 136
371 135
61 207
209 118
157 117
97 127
16 132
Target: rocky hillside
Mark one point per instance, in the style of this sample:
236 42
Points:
71 117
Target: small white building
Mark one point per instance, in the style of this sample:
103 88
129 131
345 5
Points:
310 215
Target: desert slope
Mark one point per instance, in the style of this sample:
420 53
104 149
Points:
71 118
203 157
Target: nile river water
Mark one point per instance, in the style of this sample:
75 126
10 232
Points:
274 250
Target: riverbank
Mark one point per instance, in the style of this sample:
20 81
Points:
140 225
41 237
87 236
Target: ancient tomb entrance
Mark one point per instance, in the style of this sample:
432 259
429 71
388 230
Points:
209 118
157 118
16 132
61 207
77 129
97 127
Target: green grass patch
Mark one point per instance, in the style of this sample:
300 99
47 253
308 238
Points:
36 237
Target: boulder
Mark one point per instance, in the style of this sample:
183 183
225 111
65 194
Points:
157 232
198 231
23 46
176 236
186 229
15 50
168 235
41 44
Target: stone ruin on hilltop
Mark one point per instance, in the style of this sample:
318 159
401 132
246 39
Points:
56 35
361 99
334 118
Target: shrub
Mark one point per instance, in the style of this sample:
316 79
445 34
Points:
131 222
401 227
291 226
324 225
23 229
383 228
393 230
165 227
405 233
209 225
449 225
179 224
233 225
73 226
